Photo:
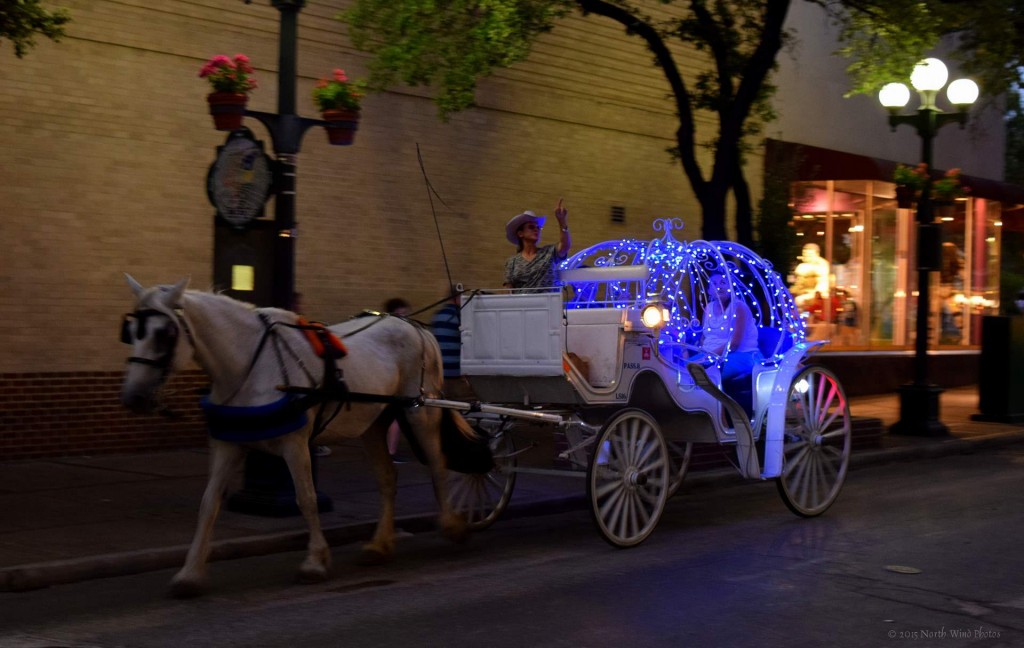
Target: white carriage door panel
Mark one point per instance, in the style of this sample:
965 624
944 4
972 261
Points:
513 335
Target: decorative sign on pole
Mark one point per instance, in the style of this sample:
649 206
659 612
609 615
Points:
240 179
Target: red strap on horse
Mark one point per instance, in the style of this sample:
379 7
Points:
319 338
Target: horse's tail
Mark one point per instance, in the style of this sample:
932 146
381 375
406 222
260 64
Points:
461 425
464 449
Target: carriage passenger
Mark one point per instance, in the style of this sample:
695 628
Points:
533 265
729 330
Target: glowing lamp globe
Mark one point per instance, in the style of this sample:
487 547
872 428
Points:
962 92
894 95
929 75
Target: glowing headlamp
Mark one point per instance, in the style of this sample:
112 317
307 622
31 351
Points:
655 315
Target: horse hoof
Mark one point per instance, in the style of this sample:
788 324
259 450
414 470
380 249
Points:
311 574
457 533
186 589
372 556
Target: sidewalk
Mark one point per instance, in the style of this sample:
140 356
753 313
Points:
74 518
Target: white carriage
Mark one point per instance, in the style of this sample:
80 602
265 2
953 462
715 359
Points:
612 358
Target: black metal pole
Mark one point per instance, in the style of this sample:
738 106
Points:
919 400
268 488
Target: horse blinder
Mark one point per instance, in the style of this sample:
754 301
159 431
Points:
163 335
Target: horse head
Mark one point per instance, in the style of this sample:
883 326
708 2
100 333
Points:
155 331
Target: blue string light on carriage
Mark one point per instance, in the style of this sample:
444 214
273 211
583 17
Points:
678 276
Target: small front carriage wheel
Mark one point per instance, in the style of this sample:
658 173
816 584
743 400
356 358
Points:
482 498
816 442
629 478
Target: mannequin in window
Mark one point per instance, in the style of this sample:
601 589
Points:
810 276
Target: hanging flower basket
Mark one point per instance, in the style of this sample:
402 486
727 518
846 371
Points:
227 109
905 196
341 125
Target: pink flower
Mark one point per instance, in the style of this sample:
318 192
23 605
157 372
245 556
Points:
227 75
242 61
339 75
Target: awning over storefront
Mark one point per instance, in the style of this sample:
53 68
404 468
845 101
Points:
816 163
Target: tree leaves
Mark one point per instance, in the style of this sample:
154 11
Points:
21 20
448 44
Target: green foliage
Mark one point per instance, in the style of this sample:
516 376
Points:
21 20
447 44
776 237
913 177
885 38
949 186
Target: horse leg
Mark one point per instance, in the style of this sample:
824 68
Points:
191 580
382 544
424 419
318 557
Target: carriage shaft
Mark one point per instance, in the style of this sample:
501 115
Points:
495 409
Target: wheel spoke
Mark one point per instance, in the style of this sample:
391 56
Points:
604 489
798 458
613 504
800 463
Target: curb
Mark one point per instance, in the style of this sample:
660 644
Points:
34 576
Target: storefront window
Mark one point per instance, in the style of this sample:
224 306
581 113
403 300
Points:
855 280
887 316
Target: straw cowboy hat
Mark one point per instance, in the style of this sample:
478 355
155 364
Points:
518 221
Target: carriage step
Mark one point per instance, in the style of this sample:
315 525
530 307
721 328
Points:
746 454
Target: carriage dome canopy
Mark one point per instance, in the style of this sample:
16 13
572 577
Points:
678 274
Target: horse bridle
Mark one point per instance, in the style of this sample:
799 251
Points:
166 338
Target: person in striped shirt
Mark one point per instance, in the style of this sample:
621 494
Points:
445 326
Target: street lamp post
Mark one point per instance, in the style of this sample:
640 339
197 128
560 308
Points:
268 487
919 400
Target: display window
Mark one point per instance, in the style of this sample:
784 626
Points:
855 278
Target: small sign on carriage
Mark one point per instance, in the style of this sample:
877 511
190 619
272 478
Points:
240 179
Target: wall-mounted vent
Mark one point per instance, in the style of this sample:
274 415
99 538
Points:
618 214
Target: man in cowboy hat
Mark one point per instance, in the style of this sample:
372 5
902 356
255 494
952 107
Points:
533 265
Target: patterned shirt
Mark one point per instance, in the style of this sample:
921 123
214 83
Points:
445 325
538 272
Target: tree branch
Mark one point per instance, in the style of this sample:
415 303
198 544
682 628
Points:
685 135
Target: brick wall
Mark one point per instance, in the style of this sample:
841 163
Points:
74 413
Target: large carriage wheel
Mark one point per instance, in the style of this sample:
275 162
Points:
628 478
679 452
816 448
481 498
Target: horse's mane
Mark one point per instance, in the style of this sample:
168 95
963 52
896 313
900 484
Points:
219 299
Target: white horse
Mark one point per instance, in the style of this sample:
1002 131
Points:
248 353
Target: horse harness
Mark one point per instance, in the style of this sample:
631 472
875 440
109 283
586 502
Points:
324 343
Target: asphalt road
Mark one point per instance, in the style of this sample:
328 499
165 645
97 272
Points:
928 553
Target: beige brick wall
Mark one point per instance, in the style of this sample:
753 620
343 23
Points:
105 143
